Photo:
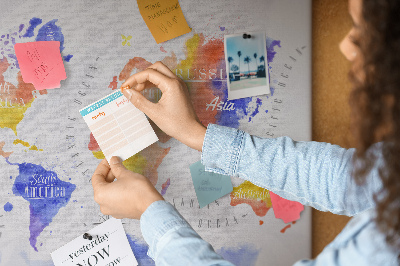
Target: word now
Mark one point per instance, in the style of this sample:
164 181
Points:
169 24
94 258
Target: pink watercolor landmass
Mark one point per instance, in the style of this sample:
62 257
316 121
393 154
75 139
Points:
286 210
113 84
3 153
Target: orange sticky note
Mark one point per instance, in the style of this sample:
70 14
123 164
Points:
41 64
164 18
284 209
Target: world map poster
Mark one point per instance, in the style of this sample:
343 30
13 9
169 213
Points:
48 154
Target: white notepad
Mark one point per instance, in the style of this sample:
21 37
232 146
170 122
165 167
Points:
108 246
118 126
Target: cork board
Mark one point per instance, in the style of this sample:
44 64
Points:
331 89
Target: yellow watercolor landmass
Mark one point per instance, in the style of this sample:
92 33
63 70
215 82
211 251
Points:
98 155
136 163
26 144
258 198
192 45
34 148
247 190
11 116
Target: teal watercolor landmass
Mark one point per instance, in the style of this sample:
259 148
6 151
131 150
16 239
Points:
46 195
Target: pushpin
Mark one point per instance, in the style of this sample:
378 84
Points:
126 87
246 36
87 236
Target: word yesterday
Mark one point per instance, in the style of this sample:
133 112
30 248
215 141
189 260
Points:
92 244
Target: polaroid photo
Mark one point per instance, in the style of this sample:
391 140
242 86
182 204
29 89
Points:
246 65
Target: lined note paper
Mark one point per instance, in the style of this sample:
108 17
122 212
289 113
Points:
118 126
108 246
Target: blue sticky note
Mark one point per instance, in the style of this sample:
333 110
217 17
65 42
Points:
209 186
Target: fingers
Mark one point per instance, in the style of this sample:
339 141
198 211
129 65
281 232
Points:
140 102
110 177
100 174
159 80
117 167
160 67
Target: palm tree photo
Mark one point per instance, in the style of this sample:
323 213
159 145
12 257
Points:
261 68
262 58
239 53
230 60
247 60
255 60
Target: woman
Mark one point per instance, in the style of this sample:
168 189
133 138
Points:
362 182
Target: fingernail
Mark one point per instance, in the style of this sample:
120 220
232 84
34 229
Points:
127 93
115 160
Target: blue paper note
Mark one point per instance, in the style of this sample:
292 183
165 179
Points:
209 186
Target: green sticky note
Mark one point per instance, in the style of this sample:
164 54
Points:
209 186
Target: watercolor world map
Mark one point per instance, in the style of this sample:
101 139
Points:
47 191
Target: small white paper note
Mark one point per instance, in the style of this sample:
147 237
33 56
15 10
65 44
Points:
109 246
118 126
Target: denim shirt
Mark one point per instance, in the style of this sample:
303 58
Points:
312 173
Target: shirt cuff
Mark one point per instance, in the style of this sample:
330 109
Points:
222 148
159 218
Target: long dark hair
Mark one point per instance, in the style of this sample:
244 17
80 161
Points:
375 101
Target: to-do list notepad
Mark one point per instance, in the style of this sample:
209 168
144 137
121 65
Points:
118 126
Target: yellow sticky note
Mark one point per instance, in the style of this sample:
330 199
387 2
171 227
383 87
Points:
164 18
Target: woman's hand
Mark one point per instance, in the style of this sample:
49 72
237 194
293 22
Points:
174 113
128 196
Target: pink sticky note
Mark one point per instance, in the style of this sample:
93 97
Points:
41 64
286 210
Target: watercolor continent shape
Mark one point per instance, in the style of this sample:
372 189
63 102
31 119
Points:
44 191
15 100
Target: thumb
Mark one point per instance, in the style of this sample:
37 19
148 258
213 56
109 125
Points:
138 100
117 167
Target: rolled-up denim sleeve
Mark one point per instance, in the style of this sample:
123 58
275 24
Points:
172 241
313 173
